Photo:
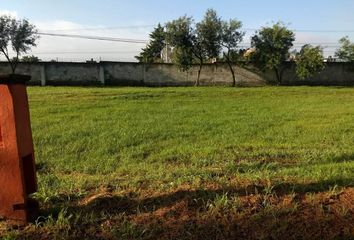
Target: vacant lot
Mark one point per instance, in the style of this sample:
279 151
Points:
193 163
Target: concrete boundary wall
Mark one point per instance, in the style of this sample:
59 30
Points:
137 74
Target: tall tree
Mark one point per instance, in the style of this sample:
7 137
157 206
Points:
231 37
346 51
152 52
180 35
195 42
272 45
309 61
209 31
199 51
208 36
20 34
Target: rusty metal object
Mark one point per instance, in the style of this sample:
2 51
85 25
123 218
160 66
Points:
17 164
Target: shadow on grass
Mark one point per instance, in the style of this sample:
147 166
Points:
184 214
198 198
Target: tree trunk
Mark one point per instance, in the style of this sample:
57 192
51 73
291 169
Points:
13 67
199 71
278 75
14 64
230 67
232 72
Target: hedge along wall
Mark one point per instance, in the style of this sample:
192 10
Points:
136 74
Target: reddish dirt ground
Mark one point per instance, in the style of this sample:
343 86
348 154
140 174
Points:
186 214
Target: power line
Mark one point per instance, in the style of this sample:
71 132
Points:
142 41
100 28
112 39
151 25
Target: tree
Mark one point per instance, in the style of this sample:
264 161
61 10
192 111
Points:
183 57
209 32
346 51
152 52
309 61
195 42
20 34
272 45
181 36
231 37
30 59
207 40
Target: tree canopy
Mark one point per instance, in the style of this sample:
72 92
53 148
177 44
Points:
180 35
212 38
195 43
19 35
152 52
30 59
209 33
309 61
231 36
346 51
272 45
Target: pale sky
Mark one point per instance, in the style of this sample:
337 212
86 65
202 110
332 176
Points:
314 21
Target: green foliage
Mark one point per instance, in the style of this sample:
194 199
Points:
183 58
236 56
232 34
20 34
195 42
30 59
5 30
231 37
272 45
180 35
152 52
209 34
346 51
309 61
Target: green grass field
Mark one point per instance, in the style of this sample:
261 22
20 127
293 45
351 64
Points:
193 163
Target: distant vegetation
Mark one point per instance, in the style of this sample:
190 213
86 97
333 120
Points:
309 61
30 59
346 51
184 42
271 48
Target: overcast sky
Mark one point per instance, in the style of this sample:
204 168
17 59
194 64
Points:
315 21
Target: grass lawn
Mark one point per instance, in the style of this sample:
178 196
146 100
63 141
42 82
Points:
192 163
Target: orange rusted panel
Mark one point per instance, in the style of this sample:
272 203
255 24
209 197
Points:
17 165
